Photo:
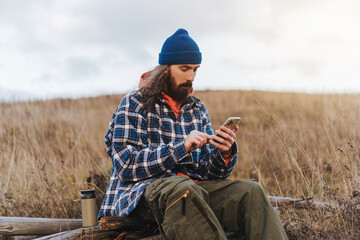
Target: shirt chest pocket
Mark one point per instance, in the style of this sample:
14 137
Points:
167 131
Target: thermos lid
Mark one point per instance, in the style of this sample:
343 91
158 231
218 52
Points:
87 194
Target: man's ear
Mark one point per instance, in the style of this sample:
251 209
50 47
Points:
167 69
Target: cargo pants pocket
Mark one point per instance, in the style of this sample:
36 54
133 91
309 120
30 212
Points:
196 223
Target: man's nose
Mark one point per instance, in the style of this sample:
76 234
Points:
191 76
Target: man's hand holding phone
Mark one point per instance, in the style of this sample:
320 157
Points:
225 137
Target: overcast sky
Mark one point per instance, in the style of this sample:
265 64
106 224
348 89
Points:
72 48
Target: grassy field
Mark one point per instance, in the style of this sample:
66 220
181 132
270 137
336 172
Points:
296 145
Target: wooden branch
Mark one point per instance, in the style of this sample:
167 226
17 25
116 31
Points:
97 233
128 223
299 203
36 226
83 234
19 237
62 235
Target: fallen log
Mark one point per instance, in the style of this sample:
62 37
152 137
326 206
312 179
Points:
36 226
83 234
299 203
135 228
67 235
21 237
128 223
97 233
121 227
112 222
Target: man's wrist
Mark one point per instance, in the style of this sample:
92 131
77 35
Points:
226 153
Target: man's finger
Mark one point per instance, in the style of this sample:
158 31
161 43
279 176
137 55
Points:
201 139
205 135
219 139
228 131
219 145
196 142
225 135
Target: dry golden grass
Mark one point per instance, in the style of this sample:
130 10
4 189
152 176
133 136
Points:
296 145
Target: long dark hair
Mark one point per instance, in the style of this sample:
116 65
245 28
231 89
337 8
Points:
153 85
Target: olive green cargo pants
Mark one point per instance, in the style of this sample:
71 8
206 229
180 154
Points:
204 209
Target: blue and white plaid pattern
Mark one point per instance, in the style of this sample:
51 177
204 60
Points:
145 146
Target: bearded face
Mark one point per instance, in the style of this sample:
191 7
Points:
178 92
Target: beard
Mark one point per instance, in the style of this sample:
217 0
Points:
177 92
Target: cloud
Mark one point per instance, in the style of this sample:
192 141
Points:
306 65
87 45
81 67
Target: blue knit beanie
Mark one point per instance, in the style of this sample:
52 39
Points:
180 48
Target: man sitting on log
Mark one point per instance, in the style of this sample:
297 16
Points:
170 167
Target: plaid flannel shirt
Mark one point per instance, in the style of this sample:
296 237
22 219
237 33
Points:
147 145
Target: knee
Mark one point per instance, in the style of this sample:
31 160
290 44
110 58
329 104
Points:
250 188
256 187
190 189
257 193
